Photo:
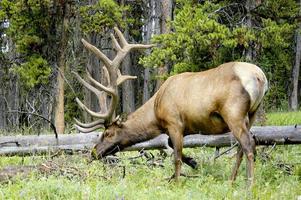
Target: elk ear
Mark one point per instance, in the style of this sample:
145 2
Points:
119 121
116 119
124 117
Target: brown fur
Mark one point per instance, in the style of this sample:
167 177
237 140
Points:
210 102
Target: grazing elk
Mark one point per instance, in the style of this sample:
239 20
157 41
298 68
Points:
215 101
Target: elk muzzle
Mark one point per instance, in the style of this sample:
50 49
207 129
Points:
103 149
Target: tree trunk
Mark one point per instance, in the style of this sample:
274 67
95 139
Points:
151 27
10 87
295 72
92 64
3 108
2 102
147 32
166 6
249 52
59 109
13 97
146 81
128 97
29 145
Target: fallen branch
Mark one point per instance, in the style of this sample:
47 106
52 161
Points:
226 151
43 144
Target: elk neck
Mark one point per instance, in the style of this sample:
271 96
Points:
142 124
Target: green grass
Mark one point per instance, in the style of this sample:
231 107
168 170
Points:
284 118
277 173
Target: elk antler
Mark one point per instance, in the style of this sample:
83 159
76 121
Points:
114 79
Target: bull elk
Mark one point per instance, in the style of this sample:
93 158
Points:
215 101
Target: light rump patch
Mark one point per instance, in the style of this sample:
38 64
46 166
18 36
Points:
251 83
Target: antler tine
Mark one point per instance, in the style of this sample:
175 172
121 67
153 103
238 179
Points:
121 37
121 78
115 43
126 47
88 125
98 53
87 85
141 46
94 114
124 43
88 130
97 92
106 74
99 85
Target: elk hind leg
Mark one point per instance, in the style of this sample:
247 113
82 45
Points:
236 166
248 146
239 128
239 154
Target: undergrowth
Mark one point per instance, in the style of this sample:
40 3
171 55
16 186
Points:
137 176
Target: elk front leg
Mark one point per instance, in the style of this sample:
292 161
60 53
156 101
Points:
176 137
186 159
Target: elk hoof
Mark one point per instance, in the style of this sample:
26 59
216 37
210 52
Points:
190 162
174 178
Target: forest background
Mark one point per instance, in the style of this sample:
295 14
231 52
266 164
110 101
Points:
40 46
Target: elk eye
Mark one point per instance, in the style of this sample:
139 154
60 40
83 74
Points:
105 134
109 133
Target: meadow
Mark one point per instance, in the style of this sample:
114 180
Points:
145 176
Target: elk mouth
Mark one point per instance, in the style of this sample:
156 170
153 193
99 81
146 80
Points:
100 151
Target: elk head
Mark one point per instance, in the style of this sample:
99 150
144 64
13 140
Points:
112 138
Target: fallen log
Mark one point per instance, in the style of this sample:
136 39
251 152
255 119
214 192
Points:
70 143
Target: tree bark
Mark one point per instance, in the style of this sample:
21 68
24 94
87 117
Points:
295 72
146 39
59 109
10 87
128 96
13 100
166 6
146 81
92 64
2 101
151 27
250 4
28 145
